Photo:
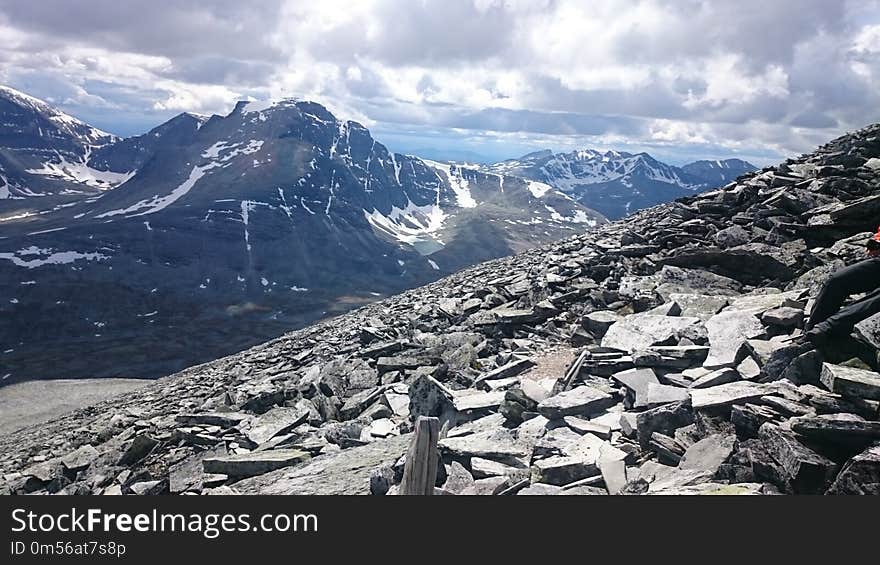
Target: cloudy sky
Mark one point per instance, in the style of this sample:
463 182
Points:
486 79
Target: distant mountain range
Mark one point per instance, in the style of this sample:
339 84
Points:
139 256
617 183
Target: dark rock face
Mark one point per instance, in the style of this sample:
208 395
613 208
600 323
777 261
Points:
617 183
649 400
232 230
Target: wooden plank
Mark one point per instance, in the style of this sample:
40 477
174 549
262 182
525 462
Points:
420 470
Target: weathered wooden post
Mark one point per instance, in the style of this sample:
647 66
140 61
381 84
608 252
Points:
420 469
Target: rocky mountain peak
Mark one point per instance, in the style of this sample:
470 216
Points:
252 223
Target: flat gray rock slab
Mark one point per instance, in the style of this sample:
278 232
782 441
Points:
505 371
255 463
222 419
274 422
80 459
656 394
848 381
599 321
722 395
582 426
581 401
700 306
501 444
709 453
345 472
636 380
641 331
836 428
717 377
728 331
478 401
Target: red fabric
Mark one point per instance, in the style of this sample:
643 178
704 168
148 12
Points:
877 236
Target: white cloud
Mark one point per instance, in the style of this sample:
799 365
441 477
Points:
735 75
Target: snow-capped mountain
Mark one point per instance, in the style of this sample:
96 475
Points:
45 152
617 183
719 172
231 230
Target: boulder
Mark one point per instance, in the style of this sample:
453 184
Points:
860 475
808 471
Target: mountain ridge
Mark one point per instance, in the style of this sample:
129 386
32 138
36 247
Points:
234 229
617 183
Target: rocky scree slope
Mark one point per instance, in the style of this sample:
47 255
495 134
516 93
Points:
650 356
234 230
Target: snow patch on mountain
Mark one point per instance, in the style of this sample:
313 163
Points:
158 203
82 173
457 183
411 224
43 257
579 217
538 189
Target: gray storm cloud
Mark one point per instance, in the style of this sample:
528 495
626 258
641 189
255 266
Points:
726 76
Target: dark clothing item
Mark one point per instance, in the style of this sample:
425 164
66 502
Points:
827 316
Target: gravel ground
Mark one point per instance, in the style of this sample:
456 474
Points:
34 402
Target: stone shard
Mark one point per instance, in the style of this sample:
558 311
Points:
137 450
656 394
868 330
837 428
784 317
664 419
580 401
708 454
728 331
501 445
738 392
860 475
851 382
80 459
582 426
717 377
808 471
748 418
252 464
598 322
700 306
223 419
641 331
613 473
274 422
748 369
508 370
562 470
